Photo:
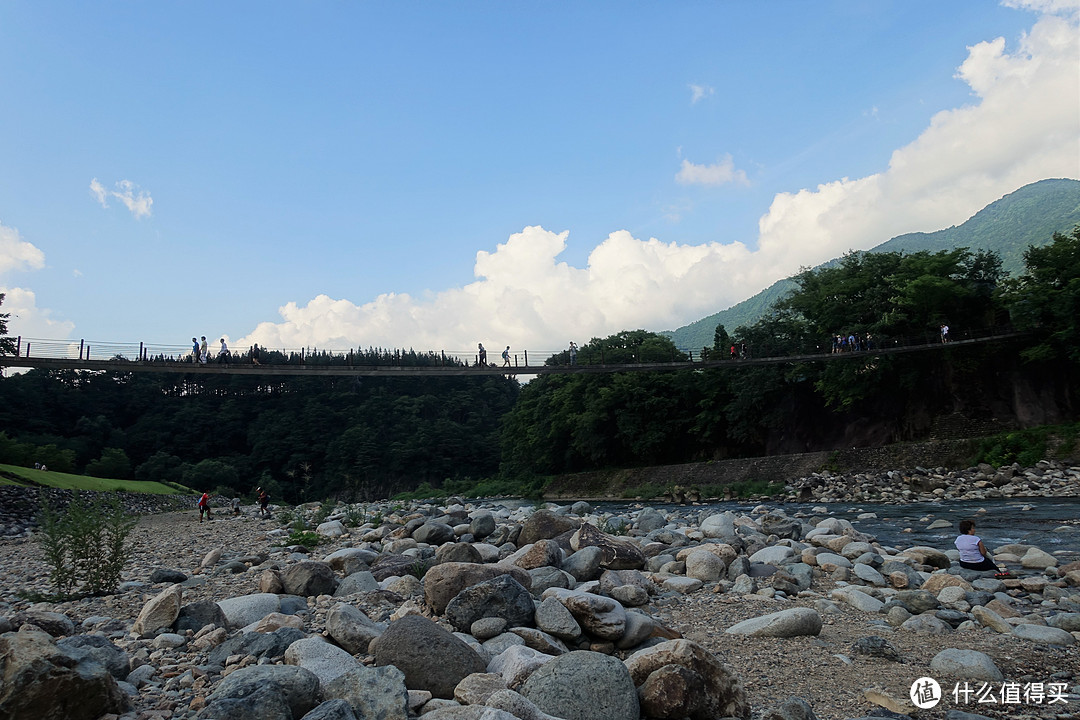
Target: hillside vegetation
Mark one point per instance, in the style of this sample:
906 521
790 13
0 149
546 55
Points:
29 477
1028 217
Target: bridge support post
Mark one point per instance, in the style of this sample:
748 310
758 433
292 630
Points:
18 346
81 344
141 350
526 358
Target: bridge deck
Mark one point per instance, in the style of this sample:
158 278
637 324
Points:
304 369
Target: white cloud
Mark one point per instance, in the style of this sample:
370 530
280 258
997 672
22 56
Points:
26 318
137 201
700 92
99 192
720 173
16 253
1020 127
30 321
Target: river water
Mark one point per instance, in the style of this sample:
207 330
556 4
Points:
1051 524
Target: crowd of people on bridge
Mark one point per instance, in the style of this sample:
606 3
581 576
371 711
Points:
852 342
200 351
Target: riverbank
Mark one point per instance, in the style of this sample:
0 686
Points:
838 618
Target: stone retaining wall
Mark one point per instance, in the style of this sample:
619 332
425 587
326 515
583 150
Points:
19 506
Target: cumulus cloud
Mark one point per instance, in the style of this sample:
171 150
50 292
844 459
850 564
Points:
1019 127
16 253
699 92
30 321
138 202
720 173
26 318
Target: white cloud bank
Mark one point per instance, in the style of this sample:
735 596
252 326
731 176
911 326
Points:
700 92
26 318
138 202
1020 127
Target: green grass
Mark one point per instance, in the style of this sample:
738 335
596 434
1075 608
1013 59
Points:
29 477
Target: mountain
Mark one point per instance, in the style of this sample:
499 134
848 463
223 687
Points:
1029 216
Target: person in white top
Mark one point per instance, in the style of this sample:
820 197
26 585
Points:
973 554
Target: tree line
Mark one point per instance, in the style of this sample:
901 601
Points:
308 438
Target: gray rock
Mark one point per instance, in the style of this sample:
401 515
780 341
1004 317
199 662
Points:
482 524
165 575
259 645
1044 634
42 680
967 664
113 658
553 617
918 601
260 702
331 710
359 582
501 597
372 692
583 684
351 628
197 615
326 661
309 578
926 625
544 524
875 646
791 709
487 628
299 688
457 552
159 611
434 533
584 565
243 610
431 657
601 616
786 623
546 577
706 566
443 582
350 560
1068 621
680 678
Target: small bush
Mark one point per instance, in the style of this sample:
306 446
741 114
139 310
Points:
305 538
85 545
324 510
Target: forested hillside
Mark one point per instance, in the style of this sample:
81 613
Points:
1007 227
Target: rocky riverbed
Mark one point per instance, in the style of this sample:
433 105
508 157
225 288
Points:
498 611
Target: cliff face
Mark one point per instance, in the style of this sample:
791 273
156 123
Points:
953 402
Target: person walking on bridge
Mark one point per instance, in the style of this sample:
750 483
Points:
482 355
223 352
506 356
194 350
204 351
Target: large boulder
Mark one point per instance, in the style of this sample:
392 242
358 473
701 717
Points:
443 582
601 616
40 681
197 615
115 660
372 692
543 525
159 611
680 678
243 610
309 578
269 646
500 597
326 661
434 533
350 628
298 687
966 664
583 684
618 554
430 656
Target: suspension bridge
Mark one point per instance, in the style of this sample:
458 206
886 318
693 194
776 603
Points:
128 358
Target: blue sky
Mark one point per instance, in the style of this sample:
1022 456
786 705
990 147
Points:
432 175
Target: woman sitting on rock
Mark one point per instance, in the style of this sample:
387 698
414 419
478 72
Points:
973 554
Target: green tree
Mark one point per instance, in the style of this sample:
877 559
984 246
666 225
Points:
7 344
113 463
1045 299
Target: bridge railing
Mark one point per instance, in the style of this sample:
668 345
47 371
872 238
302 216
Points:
159 353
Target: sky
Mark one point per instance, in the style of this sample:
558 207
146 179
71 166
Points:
434 175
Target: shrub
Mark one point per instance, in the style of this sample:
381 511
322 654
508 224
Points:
305 538
85 545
